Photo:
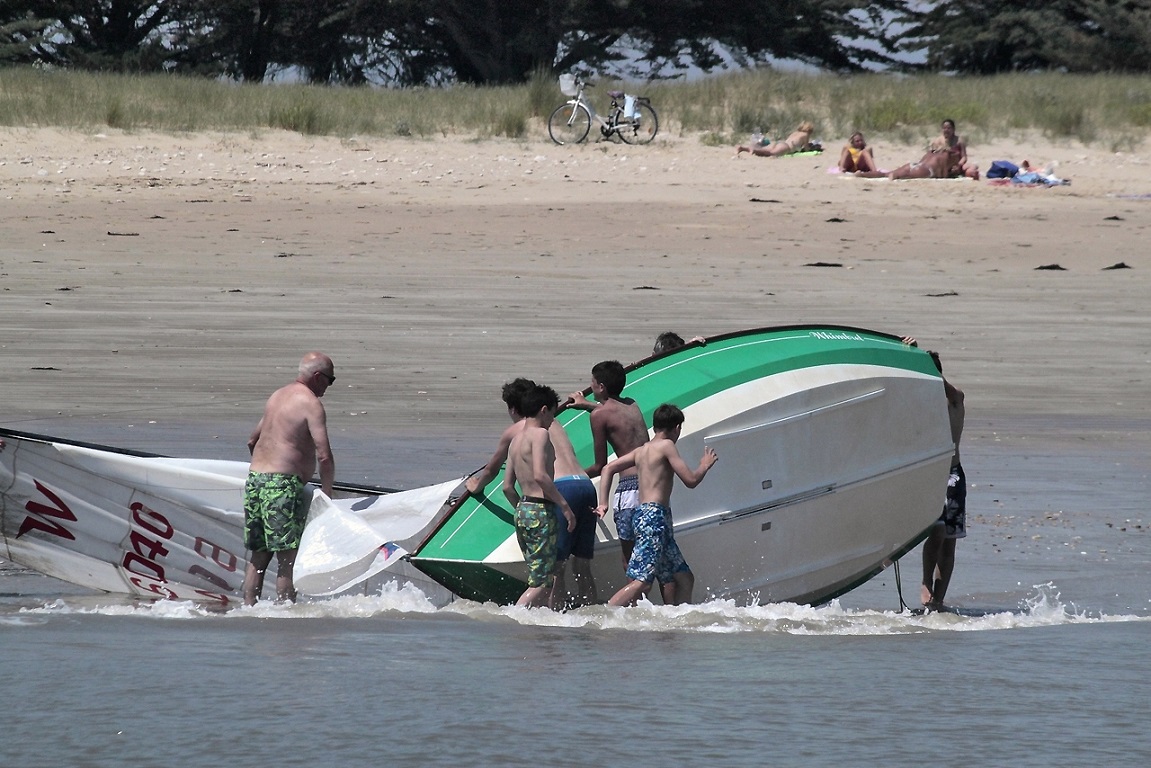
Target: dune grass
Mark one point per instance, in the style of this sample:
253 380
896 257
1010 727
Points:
1107 110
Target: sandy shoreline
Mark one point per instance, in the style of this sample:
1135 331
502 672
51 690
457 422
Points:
180 276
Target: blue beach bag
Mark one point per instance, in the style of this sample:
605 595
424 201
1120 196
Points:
1002 169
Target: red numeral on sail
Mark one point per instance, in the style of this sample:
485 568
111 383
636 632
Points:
215 550
206 575
164 533
60 510
158 589
147 550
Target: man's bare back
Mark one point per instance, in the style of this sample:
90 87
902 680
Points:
292 435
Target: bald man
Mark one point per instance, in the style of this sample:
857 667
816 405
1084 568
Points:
287 444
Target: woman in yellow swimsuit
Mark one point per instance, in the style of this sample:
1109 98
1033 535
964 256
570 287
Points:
792 144
856 155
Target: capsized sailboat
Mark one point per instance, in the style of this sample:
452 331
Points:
834 451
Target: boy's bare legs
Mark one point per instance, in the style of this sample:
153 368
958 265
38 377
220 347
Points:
584 582
684 584
558 600
254 576
285 564
678 591
630 593
626 547
534 597
932 555
943 570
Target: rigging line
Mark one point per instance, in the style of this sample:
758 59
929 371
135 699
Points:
899 588
128 411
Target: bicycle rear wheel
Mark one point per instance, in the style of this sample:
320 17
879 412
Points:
642 128
569 123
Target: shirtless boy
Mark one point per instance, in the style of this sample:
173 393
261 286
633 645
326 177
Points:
656 554
286 445
531 463
573 484
617 421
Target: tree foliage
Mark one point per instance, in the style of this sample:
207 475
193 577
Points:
990 36
118 35
411 42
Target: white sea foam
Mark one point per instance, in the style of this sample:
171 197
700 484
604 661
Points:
1041 608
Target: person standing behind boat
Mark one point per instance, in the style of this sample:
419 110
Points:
939 548
531 463
656 555
617 421
290 439
669 340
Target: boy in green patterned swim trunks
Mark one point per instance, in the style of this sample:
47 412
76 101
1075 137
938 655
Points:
531 463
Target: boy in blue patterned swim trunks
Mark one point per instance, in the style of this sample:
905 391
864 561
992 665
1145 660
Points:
531 463
656 554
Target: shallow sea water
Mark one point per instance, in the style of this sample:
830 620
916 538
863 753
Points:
1044 665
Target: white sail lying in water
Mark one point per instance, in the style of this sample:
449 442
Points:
163 527
346 544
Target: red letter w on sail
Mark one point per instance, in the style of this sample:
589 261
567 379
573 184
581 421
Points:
60 510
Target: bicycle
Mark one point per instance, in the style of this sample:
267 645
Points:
633 120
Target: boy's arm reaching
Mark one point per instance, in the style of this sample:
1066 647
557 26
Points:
692 478
476 482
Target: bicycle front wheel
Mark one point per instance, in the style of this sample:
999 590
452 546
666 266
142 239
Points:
641 128
569 123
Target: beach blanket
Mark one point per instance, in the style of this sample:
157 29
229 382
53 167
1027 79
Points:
1031 179
834 169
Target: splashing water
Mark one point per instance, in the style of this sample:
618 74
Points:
1042 607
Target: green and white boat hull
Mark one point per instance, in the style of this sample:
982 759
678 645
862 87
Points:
834 449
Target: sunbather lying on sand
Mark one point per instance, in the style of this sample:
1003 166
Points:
933 165
793 143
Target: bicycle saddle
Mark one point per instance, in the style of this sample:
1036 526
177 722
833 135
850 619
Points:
615 94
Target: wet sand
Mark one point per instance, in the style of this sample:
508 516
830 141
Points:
156 288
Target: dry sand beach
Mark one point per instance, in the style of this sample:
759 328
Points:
157 287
